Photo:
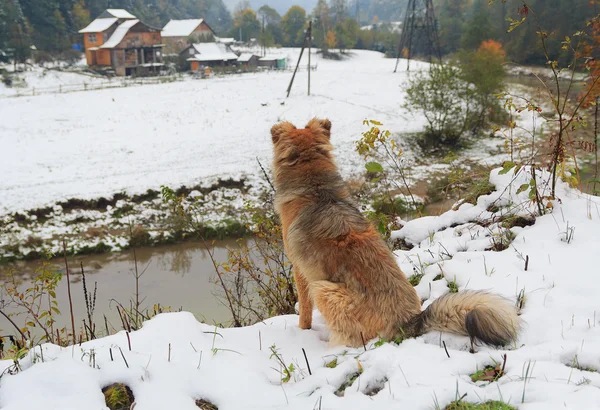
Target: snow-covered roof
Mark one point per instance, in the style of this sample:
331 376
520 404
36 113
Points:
271 58
181 28
245 57
212 52
225 40
119 33
99 25
120 13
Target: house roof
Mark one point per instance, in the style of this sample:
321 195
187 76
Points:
99 25
120 13
228 40
119 33
181 28
212 52
245 57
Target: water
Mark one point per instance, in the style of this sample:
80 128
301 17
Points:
179 276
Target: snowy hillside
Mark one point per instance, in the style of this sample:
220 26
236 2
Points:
96 143
554 364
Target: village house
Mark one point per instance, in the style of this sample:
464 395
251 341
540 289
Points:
118 40
211 54
179 34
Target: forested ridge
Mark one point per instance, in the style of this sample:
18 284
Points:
52 25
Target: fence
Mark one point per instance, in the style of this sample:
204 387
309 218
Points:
95 85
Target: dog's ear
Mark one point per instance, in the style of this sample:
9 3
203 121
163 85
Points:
326 124
279 129
322 124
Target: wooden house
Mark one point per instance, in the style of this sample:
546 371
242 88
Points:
211 54
179 34
118 40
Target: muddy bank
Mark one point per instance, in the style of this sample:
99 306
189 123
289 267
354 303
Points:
115 224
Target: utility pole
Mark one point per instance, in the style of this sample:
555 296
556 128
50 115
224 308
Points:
264 47
309 35
307 40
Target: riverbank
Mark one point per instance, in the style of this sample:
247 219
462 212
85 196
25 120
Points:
174 361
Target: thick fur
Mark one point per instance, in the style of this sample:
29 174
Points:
342 264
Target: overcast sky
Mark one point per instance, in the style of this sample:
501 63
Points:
280 5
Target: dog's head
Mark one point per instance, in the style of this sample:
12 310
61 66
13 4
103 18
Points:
293 145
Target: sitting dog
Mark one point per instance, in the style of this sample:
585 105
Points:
344 266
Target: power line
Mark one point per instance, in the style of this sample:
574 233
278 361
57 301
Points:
419 22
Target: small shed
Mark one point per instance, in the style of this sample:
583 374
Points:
248 60
208 54
275 63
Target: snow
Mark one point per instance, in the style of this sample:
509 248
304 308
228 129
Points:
212 52
120 13
174 359
245 57
119 34
225 40
99 25
43 79
96 143
180 28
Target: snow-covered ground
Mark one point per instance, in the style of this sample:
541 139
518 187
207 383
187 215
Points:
554 364
40 79
97 143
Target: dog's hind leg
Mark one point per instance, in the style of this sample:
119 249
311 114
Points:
338 306
304 299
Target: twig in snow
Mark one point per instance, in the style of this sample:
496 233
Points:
446 349
69 291
307 364
123 356
285 394
265 174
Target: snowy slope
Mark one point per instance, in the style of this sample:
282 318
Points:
560 342
96 143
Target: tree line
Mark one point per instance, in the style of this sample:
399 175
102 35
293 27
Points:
52 25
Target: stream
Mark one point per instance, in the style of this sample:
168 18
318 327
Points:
179 276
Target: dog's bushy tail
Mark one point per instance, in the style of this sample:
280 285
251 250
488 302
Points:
484 317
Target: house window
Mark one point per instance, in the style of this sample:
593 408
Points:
92 38
191 51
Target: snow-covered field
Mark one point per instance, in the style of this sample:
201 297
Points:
554 364
97 143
